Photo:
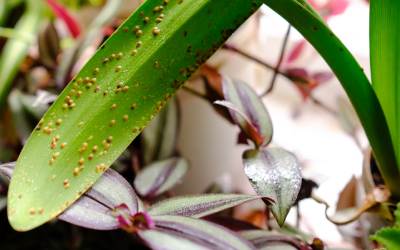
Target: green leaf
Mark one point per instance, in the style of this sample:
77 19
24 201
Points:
160 177
115 95
385 62
351 75
17 47
274 173
388 237
197 206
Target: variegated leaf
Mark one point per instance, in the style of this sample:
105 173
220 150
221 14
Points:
159 177
200 205
274 172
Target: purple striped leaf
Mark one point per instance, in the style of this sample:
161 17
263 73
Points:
177 232
160 136
100 207
160 177
274 172
7 169
247 111
200 205
262 239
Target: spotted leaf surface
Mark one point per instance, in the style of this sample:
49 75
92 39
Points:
247 111
186 233
275 173
129 80
159 177
200 205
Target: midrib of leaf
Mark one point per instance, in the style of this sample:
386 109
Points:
385 61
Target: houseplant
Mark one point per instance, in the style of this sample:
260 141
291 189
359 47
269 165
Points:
160 43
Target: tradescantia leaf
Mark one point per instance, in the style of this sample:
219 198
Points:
198 206
247 111
160 240
267 240
7 169
385 62
159 177
160 136
16 48
115 95
96 209
275 173
206 235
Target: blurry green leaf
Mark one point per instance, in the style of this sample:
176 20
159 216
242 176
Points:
95 28
274 173
385 62
16 48
122 87
180 229
201 205
388 237
160 177
160 136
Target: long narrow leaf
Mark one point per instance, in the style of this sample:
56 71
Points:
17 47
385 62
116 94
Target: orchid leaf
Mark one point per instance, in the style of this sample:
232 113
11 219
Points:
205 234
388 237
385 62
116 94
97 208
160 136
247 111
275 173
160 177
200 205
16 48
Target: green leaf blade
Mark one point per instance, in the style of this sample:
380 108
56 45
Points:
385 61
96 116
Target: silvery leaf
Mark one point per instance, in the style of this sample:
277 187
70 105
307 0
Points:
275 173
